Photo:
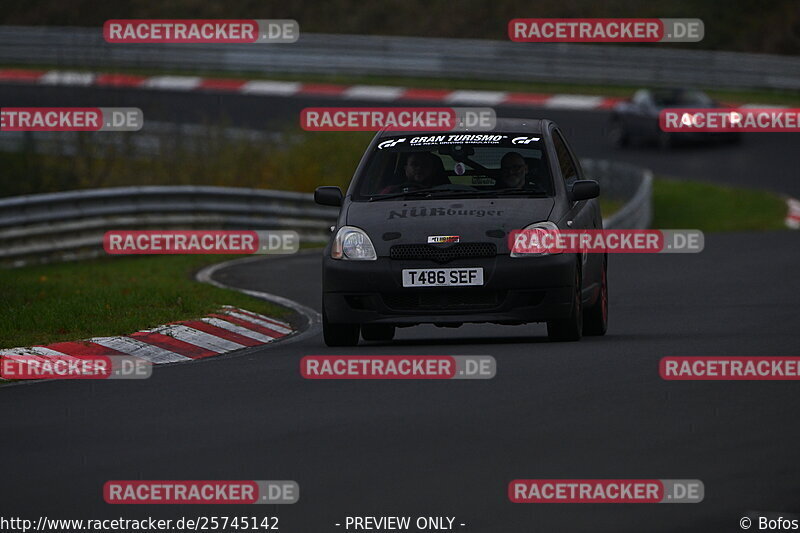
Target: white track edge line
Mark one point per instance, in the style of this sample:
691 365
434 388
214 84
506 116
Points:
205 276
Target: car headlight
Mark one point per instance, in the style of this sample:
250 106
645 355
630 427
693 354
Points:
548 232
354 244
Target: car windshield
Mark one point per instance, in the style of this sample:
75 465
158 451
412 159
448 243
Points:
682 99
417 167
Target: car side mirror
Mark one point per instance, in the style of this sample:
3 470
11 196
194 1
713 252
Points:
584 190
328 196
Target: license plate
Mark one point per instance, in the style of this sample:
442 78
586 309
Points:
442 277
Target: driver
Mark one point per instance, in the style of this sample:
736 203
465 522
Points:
513 170
419 172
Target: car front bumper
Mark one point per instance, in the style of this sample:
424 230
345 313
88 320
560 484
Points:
515 290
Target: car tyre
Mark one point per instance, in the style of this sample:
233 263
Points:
735 138
595 318
617 134
664 140
377 332
339 334
569 329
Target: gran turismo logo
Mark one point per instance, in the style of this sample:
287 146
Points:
390 143
524 140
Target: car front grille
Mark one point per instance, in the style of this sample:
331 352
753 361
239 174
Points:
443 254
447 300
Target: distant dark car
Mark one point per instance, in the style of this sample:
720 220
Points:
423 236
635 121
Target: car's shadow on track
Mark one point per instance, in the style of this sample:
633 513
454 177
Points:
462 341
522 339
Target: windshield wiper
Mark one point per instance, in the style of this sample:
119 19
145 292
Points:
417 192
461 192
518 191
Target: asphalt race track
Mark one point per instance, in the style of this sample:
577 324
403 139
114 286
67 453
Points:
593 409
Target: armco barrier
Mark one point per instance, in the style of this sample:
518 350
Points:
410 56
631 184
156 139
70 225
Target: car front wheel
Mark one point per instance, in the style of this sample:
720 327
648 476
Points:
664 140
595 318
339 334
377 332
570 328
617 134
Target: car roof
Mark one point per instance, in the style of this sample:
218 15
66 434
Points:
503 125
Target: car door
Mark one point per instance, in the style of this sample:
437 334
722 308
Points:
580 215
643 110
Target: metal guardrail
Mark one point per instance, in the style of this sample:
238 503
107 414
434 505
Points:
631 184
70 225
156 139
412 56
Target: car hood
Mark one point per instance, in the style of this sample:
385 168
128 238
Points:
473 220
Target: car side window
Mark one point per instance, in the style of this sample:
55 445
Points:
569 169
641 98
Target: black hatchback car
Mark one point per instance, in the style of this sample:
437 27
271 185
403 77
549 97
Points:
422 235
635 121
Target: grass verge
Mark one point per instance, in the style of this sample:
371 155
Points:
110 296
710 207
609 206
